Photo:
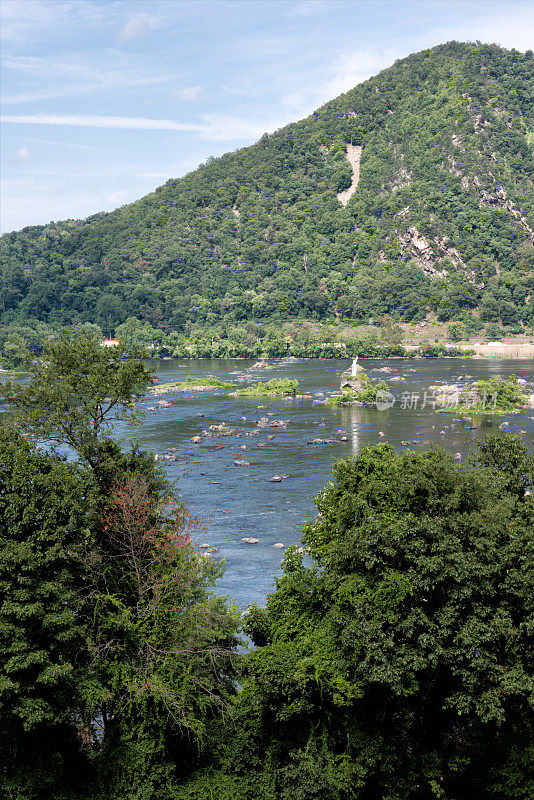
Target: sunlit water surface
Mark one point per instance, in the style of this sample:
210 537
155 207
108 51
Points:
242 501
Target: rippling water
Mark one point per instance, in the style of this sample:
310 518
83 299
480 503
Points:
241 501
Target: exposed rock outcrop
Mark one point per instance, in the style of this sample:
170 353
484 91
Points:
354 154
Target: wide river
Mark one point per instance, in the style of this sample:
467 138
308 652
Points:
241 501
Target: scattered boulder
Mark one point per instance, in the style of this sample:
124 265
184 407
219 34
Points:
219 430
250 540
242 463
279 545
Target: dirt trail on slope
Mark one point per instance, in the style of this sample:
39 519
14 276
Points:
354 154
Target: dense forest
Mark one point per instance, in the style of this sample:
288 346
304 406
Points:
441 220
393 662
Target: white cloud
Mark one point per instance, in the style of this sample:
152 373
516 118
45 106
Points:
189 93
23 154
68 144
354 67
27 20
220 127
214 127
511 27
344 72
116 198
83 77
138 25
95 121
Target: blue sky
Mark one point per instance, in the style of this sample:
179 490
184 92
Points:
103 100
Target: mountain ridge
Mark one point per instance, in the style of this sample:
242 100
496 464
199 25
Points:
441 220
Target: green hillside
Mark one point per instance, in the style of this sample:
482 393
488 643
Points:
441 219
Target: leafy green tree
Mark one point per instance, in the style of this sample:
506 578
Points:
494 331
45 529
164 646
392 335
111 635
456 331
76 393
399 664
135 336
15 351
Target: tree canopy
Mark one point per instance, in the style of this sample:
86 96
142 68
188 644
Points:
399 663
441 219
76 391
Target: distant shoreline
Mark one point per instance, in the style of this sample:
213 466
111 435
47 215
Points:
494 349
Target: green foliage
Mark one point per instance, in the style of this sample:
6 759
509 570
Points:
456 331
276 386
428 350
366 395
494 332
190 383
45 527
507 392
496 395
260 235
399 663
116 657
76 392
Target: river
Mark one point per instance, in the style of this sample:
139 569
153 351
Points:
241 501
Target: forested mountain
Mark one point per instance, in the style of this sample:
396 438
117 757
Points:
409 194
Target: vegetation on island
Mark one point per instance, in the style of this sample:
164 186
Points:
366 395
396 663
497 395
440 223
192 383
276 386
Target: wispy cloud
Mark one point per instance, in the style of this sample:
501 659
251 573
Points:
82 78
221 127
95 121
67 144
26 21
215 127
23 154
353 67
138 25
189 93
117 198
